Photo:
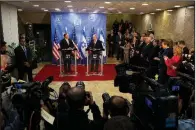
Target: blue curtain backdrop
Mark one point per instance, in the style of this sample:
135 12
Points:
80 27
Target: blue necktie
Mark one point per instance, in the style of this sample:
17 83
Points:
25 51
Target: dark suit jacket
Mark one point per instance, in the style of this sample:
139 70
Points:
166 52
122 39
147 51
64 45
20 57
185 50
98 45
110 39
154 53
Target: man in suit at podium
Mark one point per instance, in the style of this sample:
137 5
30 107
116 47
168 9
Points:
65 44
95 44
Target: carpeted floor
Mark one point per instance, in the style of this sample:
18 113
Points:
109 73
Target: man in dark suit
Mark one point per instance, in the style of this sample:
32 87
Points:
146 53
95 44
167 51
23 57
120 42
183 46
66 43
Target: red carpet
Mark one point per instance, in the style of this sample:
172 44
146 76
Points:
109 73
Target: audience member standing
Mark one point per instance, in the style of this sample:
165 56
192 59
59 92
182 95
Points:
115 27
120 42
173 63
111 43
185 50
23 57
167 51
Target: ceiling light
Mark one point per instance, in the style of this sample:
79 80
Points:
158 9
119 12
71 10
84 9
169 10
111 8
36 5
101 7
45 10
19 9
191 7
69 6
26 1
57 9
141 12
67 1
177 6
132 8
152 13
107 2
145 4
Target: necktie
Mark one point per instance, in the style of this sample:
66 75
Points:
25 51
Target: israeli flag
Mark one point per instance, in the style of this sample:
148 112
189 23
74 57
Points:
84 43
101 38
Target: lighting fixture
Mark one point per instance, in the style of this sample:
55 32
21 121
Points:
67 1
45 10
57 9
71 10
169 10
20 10
107 2
101 7
119 12
191 7
132 8
26 1
141 12
111 8
36 5
158 9
69 6
177 6
152 13
145 4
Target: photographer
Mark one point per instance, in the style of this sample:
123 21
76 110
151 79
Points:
117 107
77 118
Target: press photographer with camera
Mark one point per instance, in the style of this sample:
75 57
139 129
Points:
76 118
118 109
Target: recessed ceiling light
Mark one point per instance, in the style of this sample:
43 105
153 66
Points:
69 6
141 12
57 9
145 4
169 10
152 13
132 8
111 8
158 9
119 12
191 7
19 9
107 2
45 10
177 6
25 1
101 7
67 1
84 9
36 5
71 10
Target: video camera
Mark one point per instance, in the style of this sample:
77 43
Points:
151 100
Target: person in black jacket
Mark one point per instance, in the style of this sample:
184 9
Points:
183 46
119 42
65 44
146 53
95 44
153 68
23 57
111 42
167 51
77 118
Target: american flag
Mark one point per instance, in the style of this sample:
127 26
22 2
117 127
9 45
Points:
56 47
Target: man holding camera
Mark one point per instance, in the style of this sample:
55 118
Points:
77 118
